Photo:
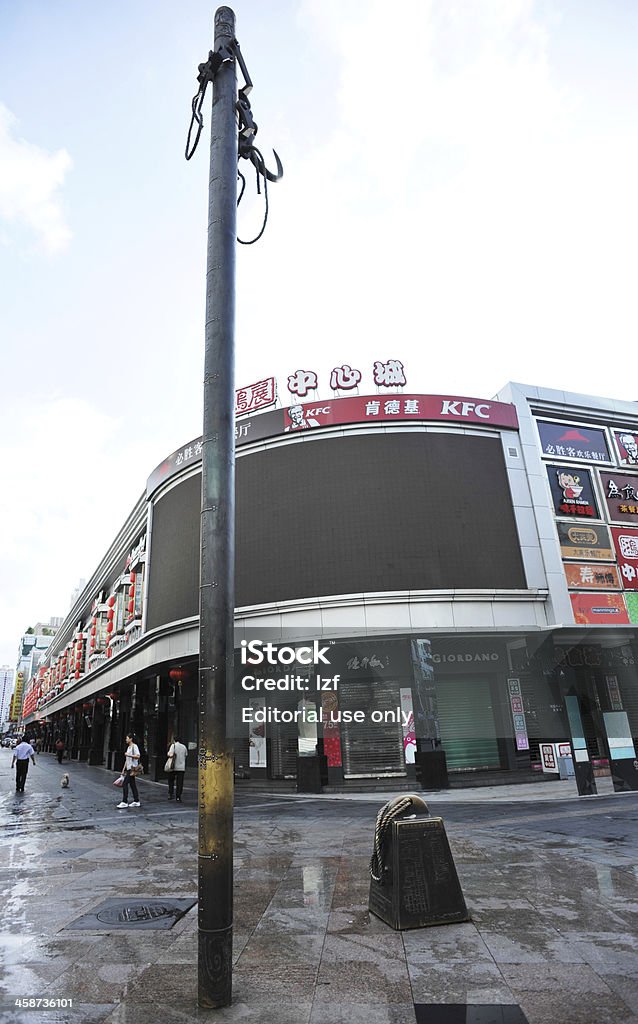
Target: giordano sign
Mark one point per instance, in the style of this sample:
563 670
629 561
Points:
451 656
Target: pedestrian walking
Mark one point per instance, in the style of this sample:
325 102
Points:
21 754
59 749
175 768
131 764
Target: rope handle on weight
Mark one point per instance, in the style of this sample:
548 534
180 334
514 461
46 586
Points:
394 809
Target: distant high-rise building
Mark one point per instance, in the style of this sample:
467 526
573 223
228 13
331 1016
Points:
77 591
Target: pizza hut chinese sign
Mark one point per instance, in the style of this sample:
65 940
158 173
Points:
573 441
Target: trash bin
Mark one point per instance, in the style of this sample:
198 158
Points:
431 769
309 774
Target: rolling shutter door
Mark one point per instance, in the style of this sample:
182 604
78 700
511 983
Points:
466 721
371 749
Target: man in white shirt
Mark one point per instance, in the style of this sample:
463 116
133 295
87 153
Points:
176 776
21 755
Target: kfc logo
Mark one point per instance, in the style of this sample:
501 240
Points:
302 419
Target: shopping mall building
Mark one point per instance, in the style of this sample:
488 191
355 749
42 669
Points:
469 566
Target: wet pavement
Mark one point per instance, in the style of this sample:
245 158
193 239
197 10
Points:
550 880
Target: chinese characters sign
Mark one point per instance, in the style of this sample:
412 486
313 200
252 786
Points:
255 396
581 576
346 378
401 407
585 541
626 544
572 491
571 441
518 714
621 495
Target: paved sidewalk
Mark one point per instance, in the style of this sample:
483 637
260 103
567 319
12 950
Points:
550 881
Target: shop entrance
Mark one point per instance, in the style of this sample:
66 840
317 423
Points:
466 722
370 749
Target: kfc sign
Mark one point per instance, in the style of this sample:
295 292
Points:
404 407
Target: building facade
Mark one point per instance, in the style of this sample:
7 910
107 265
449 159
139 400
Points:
469 569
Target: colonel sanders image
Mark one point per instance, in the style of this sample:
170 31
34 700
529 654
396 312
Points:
297 421
629 443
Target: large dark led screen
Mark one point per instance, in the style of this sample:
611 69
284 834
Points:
173 582
374 512
343 515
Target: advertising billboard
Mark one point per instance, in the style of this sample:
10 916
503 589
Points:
627 446
572 492
621 495
626 544
599 609
587 541
582 576
573 441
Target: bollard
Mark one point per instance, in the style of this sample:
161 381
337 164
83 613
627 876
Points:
413 880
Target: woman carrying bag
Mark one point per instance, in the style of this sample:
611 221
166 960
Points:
131 764
175 768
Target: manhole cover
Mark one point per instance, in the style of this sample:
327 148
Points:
139 914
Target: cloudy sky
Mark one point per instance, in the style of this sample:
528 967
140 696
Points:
459 193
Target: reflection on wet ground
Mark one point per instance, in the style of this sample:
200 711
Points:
552 889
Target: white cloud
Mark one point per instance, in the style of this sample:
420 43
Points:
30 179
67 490
463 202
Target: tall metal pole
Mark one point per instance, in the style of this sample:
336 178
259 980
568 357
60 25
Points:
216 606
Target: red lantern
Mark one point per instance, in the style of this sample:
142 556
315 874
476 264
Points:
109 652
110 614
77 675
132 577
111 601
178 675
93 631
131 591
87 707
131 606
